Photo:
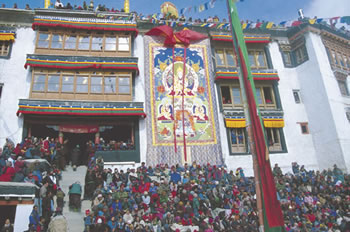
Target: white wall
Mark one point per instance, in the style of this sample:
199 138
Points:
16 82
140 93
300 146
337 104
320 92
22 217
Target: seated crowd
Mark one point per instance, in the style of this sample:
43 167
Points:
189 198
210 198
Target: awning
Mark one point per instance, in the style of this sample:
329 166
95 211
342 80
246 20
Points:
7 36
248 39
42 107
273 122
269 122
82 62
85 23
238 122
262 75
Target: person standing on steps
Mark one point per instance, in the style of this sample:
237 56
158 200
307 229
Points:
75 195
75 157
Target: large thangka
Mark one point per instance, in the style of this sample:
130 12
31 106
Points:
178 106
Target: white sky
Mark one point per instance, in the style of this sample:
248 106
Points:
327 8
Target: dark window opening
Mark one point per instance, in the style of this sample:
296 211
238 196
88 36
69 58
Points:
304 128
296 95
226 95
268 95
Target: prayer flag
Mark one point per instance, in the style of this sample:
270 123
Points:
345 19
269 25
271 207
296 23
312 21
319 20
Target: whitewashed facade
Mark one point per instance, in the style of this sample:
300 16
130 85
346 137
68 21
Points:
322 108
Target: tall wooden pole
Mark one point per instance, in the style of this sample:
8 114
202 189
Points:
252 144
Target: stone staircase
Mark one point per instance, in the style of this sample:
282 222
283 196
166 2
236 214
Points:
75 220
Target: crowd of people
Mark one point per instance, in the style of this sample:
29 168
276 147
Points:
210 198
177 198
14 168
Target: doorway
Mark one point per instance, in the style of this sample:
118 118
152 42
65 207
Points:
75 139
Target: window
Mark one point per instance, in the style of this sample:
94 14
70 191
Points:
304 127
1 87
84 43
65 40
82 85
70 42
296 94
111 43
257 59
265 97
124 85
238 141
97 43
71 84
300 55
274 139
123 44
347 113
231 96
96 84
110 85
67 84
39 83
287 58
343 87
56 41
225 58
53 83
43 40
4 48
226 95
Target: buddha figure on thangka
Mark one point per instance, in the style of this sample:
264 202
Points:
180 96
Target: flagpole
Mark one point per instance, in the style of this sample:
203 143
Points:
248 121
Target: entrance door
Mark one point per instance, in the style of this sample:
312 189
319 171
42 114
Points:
75 139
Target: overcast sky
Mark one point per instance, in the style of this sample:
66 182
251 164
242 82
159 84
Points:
268 10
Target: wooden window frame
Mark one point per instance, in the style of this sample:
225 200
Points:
273 146
238 148
89 75
129 43
225 65
231 105
256 51
265 105
79 35
130 84
5 47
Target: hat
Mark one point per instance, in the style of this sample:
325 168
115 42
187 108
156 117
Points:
87 212
99 195
99 220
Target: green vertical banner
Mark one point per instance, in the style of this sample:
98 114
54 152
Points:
273 217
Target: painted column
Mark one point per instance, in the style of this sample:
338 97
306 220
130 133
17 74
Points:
60 137
97 138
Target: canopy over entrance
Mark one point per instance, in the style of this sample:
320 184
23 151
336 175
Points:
53 107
